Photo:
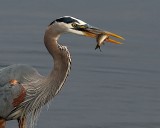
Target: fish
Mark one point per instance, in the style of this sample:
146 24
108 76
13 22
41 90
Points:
100 40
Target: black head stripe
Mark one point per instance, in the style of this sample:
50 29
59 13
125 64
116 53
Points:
52 22
66 20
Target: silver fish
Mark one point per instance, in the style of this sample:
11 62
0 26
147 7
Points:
100 40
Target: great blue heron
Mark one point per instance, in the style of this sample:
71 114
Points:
23 91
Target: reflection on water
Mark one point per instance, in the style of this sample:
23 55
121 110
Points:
115 88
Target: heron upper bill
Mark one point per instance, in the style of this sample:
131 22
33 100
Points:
94 32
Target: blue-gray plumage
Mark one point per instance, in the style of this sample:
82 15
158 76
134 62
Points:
9 92
23 91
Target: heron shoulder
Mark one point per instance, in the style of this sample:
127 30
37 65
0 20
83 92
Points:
17 72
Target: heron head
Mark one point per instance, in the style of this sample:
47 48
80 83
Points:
73 25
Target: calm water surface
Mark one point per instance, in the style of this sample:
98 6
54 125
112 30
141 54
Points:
116 88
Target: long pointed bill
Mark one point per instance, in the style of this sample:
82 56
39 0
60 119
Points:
109 34
95 32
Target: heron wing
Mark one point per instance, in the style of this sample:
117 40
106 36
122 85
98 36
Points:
12 96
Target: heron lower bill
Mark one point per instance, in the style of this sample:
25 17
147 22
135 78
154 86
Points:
95 32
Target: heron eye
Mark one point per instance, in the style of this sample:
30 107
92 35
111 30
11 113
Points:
74 25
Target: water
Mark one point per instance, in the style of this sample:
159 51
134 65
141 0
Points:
116 88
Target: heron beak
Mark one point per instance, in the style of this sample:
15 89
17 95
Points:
95 32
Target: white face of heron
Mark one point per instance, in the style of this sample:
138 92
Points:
72 25
68 24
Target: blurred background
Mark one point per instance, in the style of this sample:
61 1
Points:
116 88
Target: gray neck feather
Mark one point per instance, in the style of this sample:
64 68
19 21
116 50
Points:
62 61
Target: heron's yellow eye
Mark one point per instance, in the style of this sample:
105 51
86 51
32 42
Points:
74 25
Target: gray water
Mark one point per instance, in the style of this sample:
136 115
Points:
116 88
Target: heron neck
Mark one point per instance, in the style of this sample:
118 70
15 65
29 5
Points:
50 41
62 62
